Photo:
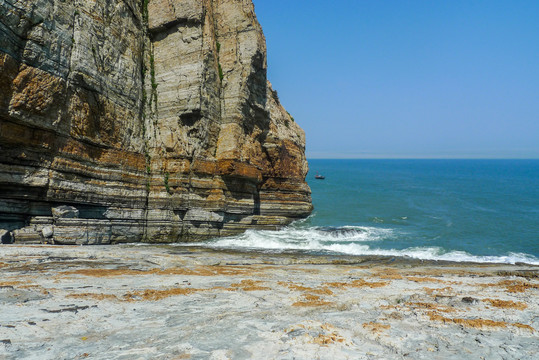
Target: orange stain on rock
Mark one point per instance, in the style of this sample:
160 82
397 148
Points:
311 300
430 306
513 286
325 340
357 284
445 290
376 327
248 285
506 304
197 271
297 287
105 272
154 295
477 323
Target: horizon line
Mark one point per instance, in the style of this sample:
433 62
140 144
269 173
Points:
422 158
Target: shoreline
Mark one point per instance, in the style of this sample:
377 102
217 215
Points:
310 256
163 302
333 257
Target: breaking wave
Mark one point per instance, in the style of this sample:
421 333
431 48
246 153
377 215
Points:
347 240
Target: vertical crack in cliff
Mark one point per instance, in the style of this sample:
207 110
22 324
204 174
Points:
143 118
133 14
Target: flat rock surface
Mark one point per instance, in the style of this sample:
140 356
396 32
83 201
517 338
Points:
174 302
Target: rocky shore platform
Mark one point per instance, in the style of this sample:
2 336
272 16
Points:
177 302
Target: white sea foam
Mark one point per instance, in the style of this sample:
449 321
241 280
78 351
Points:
348 240
303 239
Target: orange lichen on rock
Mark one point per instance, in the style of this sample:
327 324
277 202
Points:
506 304
471 323
105 272
154 295
225 270
197 271
445 290
249 285
29 286
391 276
320 291
327 327
431 306
523 326
10 283
357 284
325 340
376 327
388 273
477 323
311 300
209 270
518 286
513 286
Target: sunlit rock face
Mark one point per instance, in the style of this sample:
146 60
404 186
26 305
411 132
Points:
151 121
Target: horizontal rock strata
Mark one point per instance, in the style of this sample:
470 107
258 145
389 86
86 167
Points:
149 120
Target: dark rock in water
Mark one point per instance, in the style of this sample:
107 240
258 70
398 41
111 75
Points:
339 231
5 237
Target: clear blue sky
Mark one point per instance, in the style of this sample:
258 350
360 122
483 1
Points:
373 78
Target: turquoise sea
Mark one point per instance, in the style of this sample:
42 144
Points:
456 210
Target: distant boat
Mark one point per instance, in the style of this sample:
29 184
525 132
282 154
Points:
319 177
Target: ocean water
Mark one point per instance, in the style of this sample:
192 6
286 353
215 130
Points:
456 210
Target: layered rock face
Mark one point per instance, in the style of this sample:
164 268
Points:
128 120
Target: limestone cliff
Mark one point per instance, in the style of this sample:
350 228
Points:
137 120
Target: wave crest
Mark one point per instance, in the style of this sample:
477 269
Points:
348 240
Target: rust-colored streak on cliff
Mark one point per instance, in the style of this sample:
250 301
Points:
125 123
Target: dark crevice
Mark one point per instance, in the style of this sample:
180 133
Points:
176 23
190 118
